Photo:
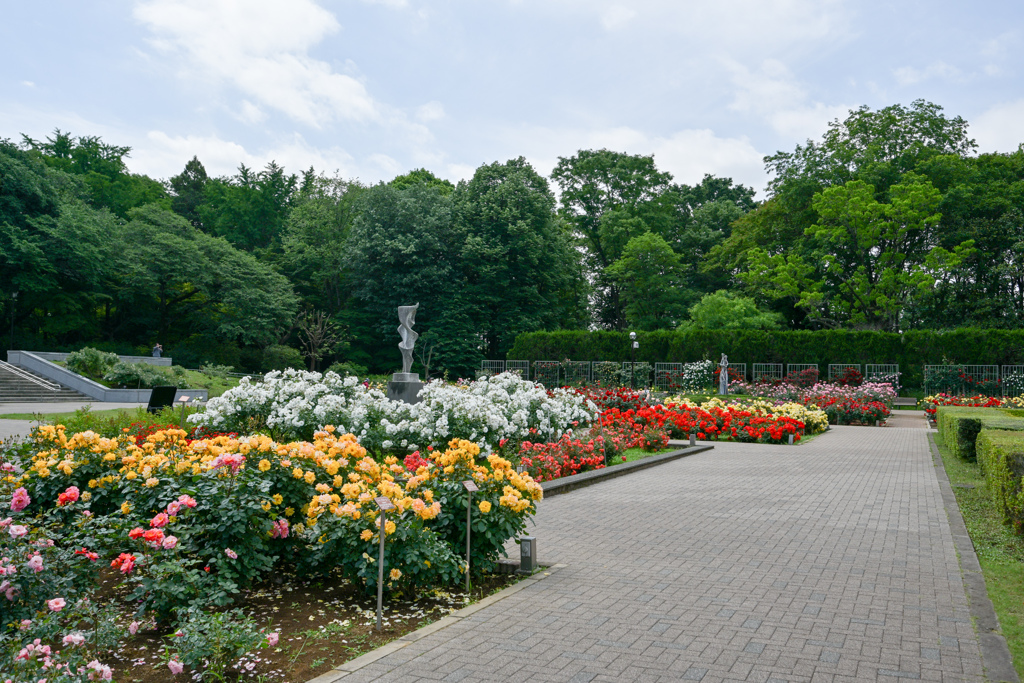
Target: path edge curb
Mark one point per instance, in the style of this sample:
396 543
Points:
565 484
342 670
995 653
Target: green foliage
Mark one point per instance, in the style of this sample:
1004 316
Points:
135 375
90 362
648 277
347 368
725 310
278 357
211 644
911 350
960 427
1001 458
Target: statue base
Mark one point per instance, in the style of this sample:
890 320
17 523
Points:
405 387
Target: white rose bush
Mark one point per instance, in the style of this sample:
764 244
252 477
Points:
488 412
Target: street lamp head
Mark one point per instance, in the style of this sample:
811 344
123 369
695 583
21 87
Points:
632 335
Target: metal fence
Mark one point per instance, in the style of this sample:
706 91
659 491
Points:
838 370
1012 380
800 367
520 366
961 379
666 375
606 373
766 371
492 367
546 372
874 372
576 373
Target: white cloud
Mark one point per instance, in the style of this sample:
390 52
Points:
397 4
750 27
431 111
908 75
686 154
28 84
1000 128
616 16
774 94
161 155
261 48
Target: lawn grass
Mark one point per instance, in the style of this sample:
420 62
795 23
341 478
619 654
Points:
1000 551
639 453
52 418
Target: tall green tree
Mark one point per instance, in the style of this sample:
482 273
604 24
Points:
516 257
608 198
648 275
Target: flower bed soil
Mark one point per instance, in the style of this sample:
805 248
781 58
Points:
322 624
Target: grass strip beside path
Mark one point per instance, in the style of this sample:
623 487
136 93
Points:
1000 551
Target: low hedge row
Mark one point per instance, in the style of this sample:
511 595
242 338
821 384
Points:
960 427
1001 458
996 438
911 350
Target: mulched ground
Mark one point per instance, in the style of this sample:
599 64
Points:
323 623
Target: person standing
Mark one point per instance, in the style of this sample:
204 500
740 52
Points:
157 351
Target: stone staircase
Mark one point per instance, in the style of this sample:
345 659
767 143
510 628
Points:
15 387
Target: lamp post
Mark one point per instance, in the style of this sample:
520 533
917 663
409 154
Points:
14 300
634 345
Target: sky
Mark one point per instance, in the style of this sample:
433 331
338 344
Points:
370 89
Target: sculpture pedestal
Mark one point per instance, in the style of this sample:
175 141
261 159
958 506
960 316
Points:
405 387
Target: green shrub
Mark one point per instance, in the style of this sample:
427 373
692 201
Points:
959 427
136 375
1001 458
279 357
348 368
91 362
216 371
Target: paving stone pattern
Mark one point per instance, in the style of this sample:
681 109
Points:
831 561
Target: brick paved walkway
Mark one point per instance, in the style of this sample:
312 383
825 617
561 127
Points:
832 561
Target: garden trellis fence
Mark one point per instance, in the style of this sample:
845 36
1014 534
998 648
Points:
1012 380
766 371
838 370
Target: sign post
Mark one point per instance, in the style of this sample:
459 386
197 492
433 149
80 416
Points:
384 504
470 487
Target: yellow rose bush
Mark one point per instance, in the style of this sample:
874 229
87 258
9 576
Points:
257 504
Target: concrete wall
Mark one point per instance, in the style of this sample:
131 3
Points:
44 368
55 357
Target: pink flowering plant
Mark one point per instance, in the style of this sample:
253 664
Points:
208 646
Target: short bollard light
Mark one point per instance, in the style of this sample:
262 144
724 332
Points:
527 555
790 439
470 486
384 504
693 438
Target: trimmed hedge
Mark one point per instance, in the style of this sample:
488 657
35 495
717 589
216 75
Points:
911 350
1001 458
960 427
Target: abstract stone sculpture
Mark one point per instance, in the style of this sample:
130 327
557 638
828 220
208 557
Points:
405 385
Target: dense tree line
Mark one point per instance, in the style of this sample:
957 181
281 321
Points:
891 221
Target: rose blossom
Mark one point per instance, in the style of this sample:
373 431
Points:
36 563
57 604
231 553
17 530
20 499
170 542
273 638
159 521
175 666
